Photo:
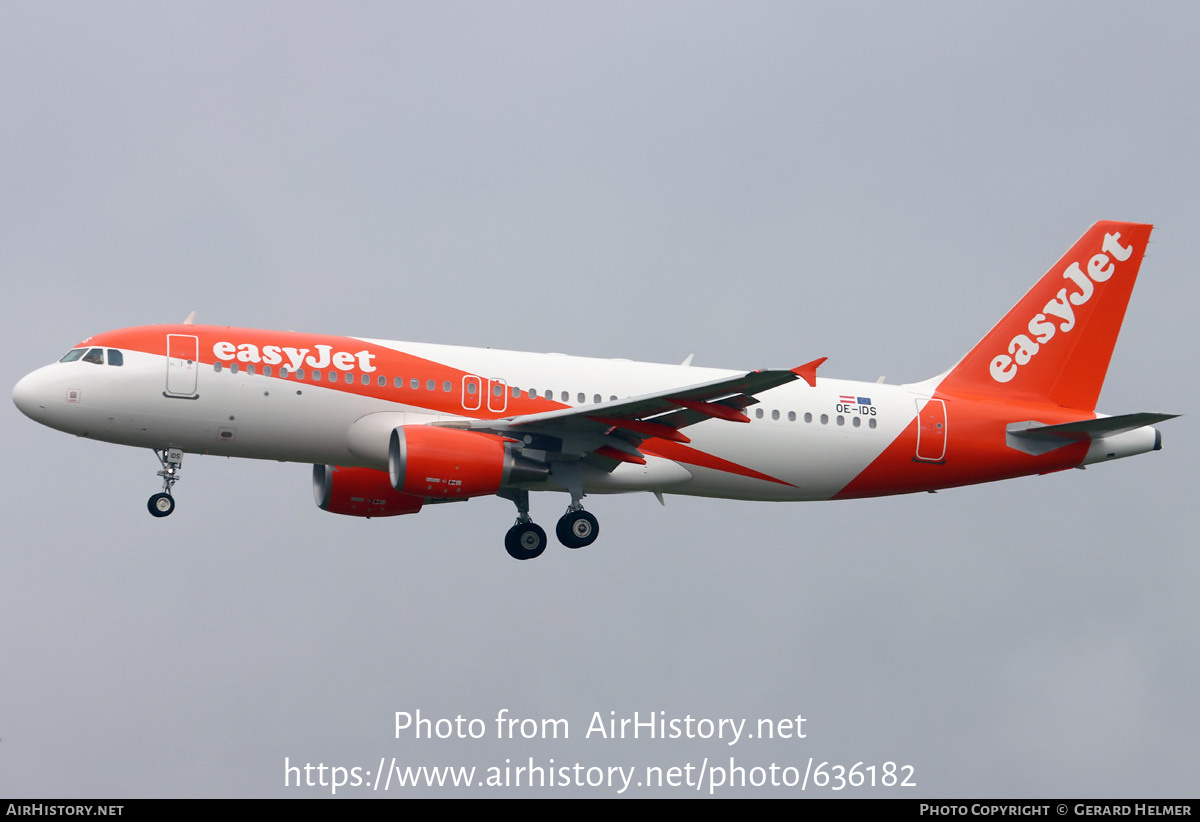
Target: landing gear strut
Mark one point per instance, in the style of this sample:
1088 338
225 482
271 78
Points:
526 539
171 459
576 528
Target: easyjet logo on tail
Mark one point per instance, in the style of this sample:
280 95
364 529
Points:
1022 348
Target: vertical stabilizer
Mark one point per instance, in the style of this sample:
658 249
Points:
1054 346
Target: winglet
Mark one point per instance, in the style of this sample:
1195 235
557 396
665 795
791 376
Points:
808 371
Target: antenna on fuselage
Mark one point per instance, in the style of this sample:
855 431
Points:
191 318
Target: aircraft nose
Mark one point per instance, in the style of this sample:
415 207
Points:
29 396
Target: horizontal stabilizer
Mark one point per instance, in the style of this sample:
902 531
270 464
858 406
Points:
1036 438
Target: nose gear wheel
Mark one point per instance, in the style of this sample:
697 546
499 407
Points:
171 459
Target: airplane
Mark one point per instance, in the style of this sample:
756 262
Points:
392 426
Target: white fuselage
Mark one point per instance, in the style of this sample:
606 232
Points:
809 438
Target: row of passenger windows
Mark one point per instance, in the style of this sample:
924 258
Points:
808 417
94 356
414 383
447 386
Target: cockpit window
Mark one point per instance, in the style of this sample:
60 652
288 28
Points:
73 354
115 357
94 355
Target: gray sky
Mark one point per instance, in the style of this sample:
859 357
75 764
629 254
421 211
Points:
758 184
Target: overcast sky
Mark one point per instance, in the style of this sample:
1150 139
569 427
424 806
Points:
758 184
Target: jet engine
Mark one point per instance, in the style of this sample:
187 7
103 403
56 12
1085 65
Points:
449 463
360 492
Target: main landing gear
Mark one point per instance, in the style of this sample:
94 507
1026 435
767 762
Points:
577 528
171 459
526 539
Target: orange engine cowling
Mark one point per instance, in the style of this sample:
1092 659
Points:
449 463
360 492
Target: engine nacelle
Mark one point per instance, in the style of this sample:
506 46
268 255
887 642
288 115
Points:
360 492
449 463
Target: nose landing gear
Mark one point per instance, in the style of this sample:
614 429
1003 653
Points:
171 459
161 505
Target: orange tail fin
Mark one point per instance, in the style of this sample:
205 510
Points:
1055 344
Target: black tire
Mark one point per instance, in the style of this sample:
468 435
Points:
161 505
525 541
577 529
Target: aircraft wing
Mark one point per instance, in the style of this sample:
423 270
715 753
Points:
613 430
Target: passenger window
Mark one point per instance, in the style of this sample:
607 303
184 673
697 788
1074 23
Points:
414 383
582 398
249 369
349 378
398 382
366 379
565 396
871 423
533 393
446 386
333 376
382 381
824 419
791 416
857 421
73 354
758 413
808 416
217 366
233 368
471 388
299 372
775 414
266 370
596 399
115 357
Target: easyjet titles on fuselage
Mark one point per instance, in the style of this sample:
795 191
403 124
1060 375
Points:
1022 349
296 358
